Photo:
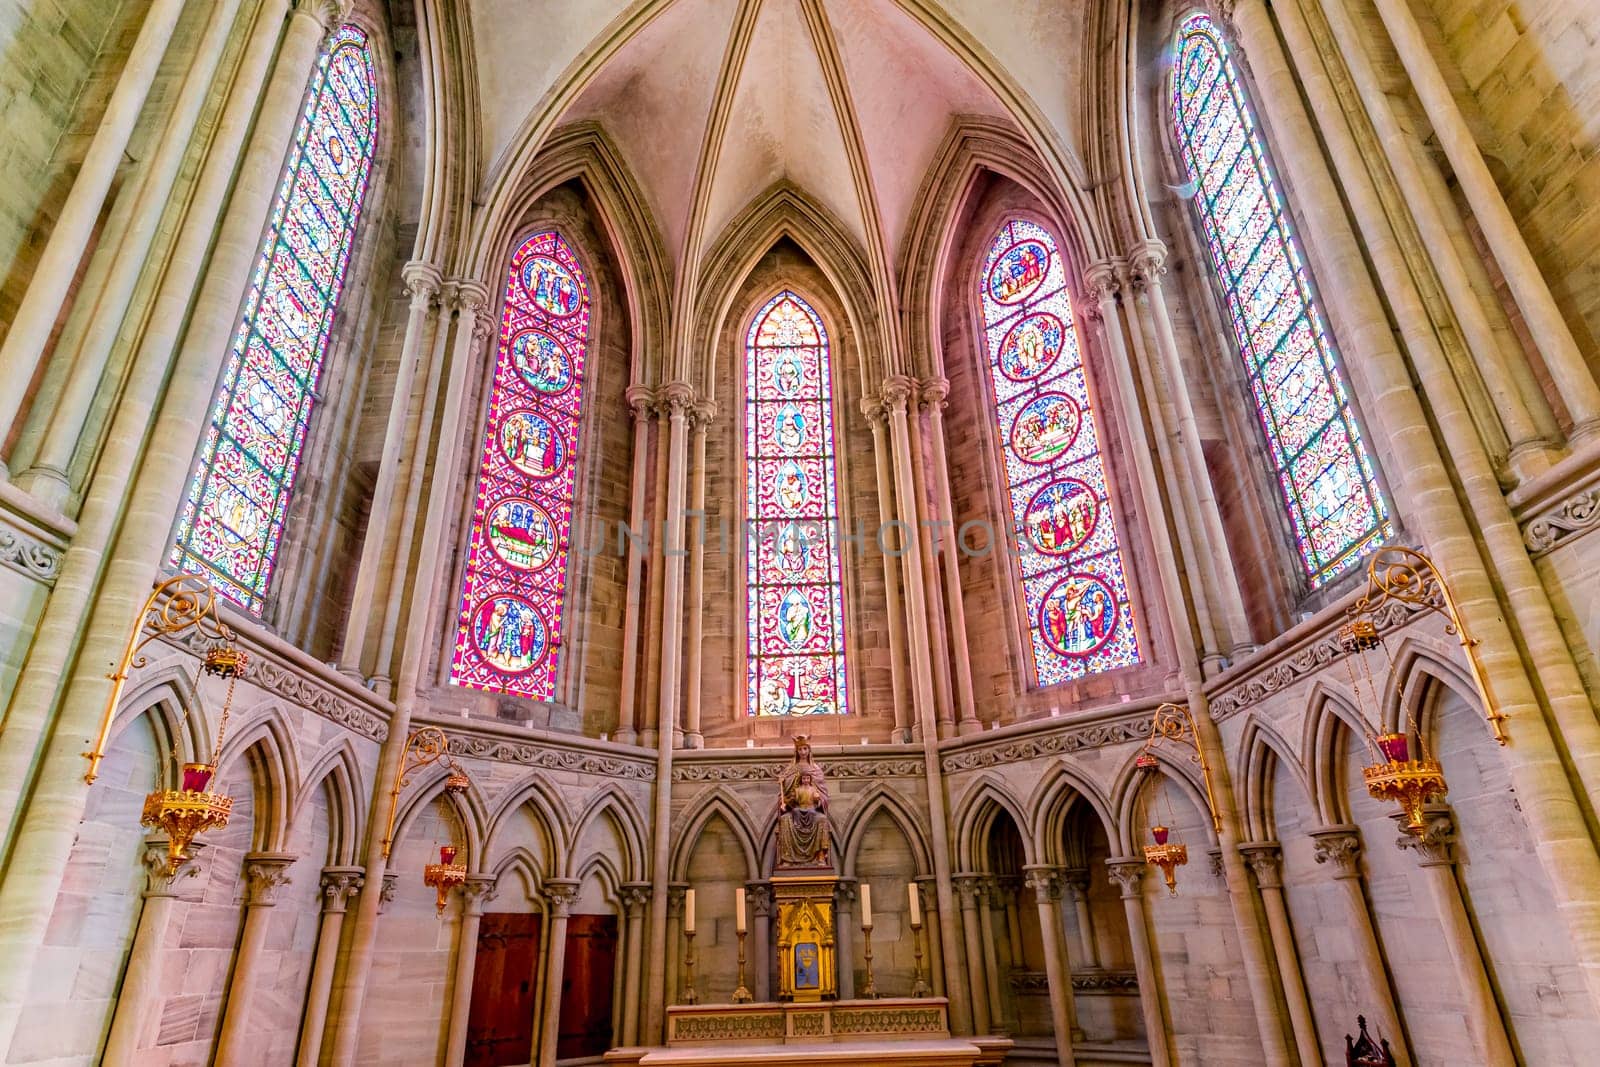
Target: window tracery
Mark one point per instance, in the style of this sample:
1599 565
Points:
231 519
1068 558
1320 461
508 635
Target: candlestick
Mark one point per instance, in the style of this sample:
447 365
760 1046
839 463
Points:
866 905
738 909
689 995
919 987
742 994
916 904
869 991
688 912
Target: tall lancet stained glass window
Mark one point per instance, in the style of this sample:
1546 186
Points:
794 607
231 519
509 636
1074 587
1321 463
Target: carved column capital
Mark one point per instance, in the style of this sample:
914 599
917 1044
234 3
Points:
1128 873
641 402
559 895
844 893
339 884
1075 880
391 882
970 887
635 895
759 894
702 413
1147 262
675 399
1435 842
159 881
1339 845
928 891
875 410
933 395
423 282
675 893
328 13
1266 860
469 294
265 873
898 389
477 891
1045 881
1102 281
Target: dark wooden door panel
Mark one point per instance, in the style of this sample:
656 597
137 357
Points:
588 985
500 1017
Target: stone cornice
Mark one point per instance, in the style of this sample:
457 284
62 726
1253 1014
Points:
1043 738
764 765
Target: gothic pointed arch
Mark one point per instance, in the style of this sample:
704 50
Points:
883 800
716 803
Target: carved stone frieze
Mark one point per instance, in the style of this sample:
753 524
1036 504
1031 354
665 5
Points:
887 1021
732 1026
1562 521
746 771
35 559
1136 727
529 754
1105 982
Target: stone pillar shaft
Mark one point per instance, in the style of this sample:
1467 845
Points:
1077 882
934 391
478 891
1129 876
971 890
140 994
1045 883
265 874
560 896
1265 859
641 401
338 884
692 738
883 458
922 542
635 896
51 281
844 900
760 943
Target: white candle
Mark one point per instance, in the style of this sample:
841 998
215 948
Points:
866 904
738 909
916 903
688 911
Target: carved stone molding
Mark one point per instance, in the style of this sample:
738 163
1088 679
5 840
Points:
531 754
675 893
423 282
1575 515
1134 727
641 402
749 771
1105 982
32 558
1029 982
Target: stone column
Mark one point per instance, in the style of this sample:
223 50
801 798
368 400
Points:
932 949
423 283
970 889
94 599
477 891
674 969
52 277
1340 847
136 1016
896 392
934 391
1128 873
1435 847
641 402
265 873
1562 356
635 895
873 409
338 885
1265 859
844 907
559 895
988 893
85 345
1076 880
1046 885
700 416
760 943
922 544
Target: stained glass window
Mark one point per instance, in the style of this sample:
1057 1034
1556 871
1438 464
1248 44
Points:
232 517
509 635
1073 584
1322 467
794 606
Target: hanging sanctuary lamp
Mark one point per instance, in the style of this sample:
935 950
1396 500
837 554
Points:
1173 722
424 747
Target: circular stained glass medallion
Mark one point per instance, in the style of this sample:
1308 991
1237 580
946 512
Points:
1061 516
1031 348
1018 272
531 444
1045 428
522 534
1078 615
542 361
510 634
551 286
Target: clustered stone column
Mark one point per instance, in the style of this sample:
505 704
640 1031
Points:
1265 859
1435 848
265 873
641 404
339 884
136 1016
476 891
905 728
970 889
934 392
559 895
701 416
635 897
1128 873
1046 885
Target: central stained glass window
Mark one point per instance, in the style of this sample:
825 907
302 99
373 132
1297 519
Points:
794 604
231 519
509 635
1323 471
1073 584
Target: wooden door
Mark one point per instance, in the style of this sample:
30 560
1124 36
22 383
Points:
588 985
500 1018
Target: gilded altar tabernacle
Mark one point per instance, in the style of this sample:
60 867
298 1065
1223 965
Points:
803 882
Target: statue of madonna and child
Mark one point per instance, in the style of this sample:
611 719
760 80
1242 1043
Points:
805 837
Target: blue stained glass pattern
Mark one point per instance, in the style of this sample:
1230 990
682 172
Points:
795 607
231 518
1323 470
1074 588
508 639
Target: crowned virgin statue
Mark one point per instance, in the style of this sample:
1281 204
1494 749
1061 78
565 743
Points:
805 836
